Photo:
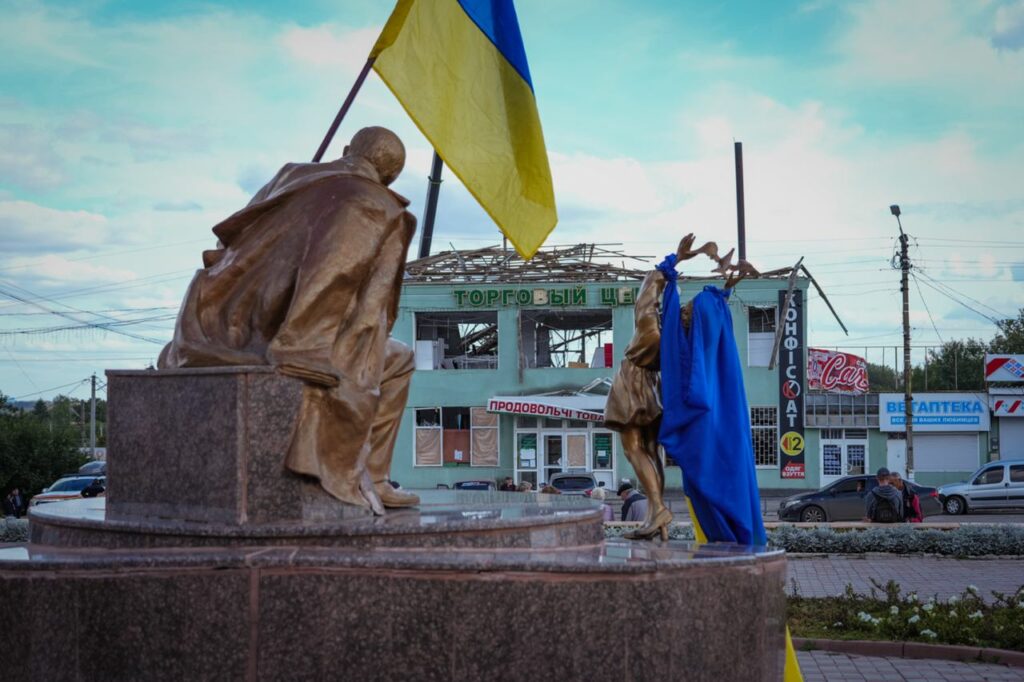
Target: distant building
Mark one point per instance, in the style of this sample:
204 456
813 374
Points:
514 360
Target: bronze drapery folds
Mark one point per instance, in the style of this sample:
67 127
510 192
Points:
307 279
634 402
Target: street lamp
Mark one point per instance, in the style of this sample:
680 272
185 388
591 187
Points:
908 398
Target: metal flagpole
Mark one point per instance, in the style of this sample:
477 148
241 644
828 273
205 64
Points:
344 110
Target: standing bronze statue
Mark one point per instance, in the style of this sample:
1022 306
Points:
634 402
307 279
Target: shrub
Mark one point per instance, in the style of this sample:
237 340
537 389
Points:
13 530
965 541
889 615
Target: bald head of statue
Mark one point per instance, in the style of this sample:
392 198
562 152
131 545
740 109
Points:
382 149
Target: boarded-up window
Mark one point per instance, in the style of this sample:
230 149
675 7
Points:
428 439
484 447
456 436
577 447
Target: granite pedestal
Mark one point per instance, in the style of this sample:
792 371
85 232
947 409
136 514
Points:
267 583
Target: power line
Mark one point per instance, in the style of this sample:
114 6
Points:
958 301
927 309
955 291
105 326
118 286
55 388
96 312
108 254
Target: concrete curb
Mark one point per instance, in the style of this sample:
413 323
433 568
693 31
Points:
943 652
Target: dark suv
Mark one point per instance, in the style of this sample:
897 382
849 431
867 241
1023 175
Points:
844 501
574 484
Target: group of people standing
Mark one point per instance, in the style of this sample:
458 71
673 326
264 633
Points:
893 500
15 504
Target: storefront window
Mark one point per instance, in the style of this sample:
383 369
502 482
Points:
564 338
427 449
760 335
838 410
484 445
526 451
523 422
602 450
457 340
456 436
555 446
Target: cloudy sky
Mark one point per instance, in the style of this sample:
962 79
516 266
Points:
128 129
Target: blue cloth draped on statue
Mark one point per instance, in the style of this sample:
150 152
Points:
705 426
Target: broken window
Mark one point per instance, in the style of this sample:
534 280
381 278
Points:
457 340
760 335
565 338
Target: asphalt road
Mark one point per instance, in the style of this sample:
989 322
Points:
1013 516
771 506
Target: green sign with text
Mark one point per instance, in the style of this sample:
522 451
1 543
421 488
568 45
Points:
489 298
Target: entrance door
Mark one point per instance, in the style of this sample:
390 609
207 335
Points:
896 455
842 456
554 455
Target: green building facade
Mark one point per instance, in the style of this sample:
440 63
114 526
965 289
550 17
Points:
553 347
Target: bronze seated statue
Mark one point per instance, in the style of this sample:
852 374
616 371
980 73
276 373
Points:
307 279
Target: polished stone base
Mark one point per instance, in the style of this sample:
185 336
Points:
209 561
446 519
208 444
616 611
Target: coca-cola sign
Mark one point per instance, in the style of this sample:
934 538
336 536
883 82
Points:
836 372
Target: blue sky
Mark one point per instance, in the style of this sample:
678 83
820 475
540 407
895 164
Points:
128 129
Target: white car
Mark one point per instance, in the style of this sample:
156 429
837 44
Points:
997 485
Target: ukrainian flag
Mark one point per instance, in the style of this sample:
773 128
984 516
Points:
459 69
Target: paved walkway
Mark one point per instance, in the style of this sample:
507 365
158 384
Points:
827 666
827 576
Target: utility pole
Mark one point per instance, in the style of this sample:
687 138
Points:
430 212
92 420
908 395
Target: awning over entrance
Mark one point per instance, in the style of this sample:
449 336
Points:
587 407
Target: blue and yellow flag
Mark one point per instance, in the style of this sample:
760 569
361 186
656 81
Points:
459 69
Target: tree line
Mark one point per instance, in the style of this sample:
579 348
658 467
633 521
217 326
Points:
40 445
956 365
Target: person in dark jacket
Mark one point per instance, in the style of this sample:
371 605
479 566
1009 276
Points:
14 504
883 503
634 505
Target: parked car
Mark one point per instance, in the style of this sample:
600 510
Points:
94 468
997 485
844 501
475 485
573 484
69 488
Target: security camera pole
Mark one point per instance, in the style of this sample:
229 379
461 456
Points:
908 396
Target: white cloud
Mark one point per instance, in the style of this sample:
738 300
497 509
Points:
1009 26
57 271
329 46
933 44
29 227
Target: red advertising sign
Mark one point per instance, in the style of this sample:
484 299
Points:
836 372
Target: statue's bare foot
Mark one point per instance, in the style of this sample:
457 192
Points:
393 498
